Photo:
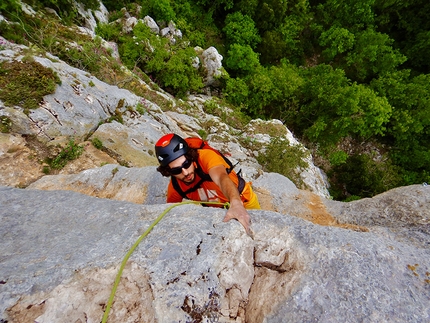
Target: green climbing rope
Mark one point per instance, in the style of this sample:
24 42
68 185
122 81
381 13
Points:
127 256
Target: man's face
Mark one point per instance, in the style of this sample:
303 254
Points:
187 174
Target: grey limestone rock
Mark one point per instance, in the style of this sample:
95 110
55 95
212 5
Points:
61 251
150 22
212 62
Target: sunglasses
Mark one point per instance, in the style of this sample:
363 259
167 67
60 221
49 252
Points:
177 170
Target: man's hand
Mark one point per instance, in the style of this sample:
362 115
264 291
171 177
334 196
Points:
238 212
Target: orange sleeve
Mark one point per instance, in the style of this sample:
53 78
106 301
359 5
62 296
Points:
209 159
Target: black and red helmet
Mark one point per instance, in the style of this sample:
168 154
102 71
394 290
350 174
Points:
170 147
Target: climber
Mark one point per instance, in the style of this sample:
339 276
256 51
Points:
204 175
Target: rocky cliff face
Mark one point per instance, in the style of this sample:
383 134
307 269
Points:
61 251
65 235
80 107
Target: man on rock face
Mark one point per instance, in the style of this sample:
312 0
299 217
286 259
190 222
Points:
204 175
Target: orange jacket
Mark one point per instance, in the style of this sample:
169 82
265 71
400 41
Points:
208 190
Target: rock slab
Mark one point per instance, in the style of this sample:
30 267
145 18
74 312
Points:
60 251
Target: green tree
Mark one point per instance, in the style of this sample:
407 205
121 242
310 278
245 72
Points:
282 26
196 24
409 127
260 86
237 91
267 92
372 55
287 82
247 7
337 40
333 108
362 176
240 29
416 50
178 73
407 23
270 14
160 10
241 59
272 47
171 65
411 98
217 4
353 15
143 49
293 38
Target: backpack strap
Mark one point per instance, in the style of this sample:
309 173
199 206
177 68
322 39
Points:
178 188
241 182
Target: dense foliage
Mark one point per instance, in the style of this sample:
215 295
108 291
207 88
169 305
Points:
350 78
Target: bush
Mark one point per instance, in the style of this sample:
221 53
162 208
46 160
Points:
71 152
160 10
240 29
280 157
178 75
110 32
10 9
26 83
242 59
362 176
86 56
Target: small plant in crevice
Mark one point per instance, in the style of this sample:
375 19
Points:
249 142
228 114
142 106
203 134
2 44
116 117
5 124
97 143
140 109
71 152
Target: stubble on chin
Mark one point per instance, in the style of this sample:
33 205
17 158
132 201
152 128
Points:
188 179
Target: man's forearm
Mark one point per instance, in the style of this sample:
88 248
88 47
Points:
229 189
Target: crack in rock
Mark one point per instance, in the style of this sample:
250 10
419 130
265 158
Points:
47 106
277 272
41 131
197 313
